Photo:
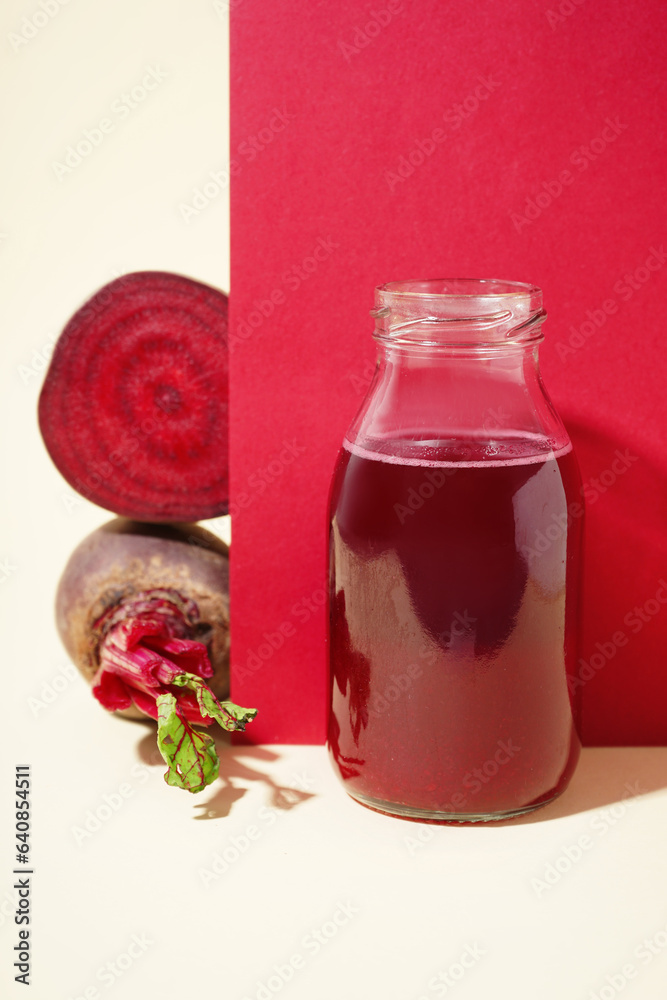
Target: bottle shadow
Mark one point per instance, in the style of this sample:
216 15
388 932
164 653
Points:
232 769
625 553
604 776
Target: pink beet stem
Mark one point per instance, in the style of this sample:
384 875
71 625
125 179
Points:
141 654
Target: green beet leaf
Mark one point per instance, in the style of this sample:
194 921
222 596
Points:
226 713
191 757
190 754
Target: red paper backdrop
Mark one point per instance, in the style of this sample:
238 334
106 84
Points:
380 141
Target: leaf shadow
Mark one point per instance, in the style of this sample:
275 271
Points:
226 791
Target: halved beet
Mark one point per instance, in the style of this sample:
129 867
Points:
134 407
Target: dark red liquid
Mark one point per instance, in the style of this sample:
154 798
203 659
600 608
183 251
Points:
453 624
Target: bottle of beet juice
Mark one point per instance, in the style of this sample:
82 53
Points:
456 519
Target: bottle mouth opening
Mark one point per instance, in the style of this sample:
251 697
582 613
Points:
458 312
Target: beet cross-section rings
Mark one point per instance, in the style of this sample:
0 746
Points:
134 407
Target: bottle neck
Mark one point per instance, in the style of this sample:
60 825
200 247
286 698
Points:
428 394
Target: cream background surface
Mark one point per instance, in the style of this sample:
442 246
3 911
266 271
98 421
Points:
273 882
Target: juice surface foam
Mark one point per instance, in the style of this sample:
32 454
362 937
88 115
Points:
472 452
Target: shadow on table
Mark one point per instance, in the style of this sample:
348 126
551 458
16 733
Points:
225 791
605 775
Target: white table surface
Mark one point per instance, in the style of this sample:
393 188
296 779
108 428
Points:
141 906
274 882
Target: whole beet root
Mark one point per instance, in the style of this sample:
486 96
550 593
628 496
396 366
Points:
143 610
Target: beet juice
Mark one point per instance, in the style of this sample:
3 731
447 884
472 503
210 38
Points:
454 561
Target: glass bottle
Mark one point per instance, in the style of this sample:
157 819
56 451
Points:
456 517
